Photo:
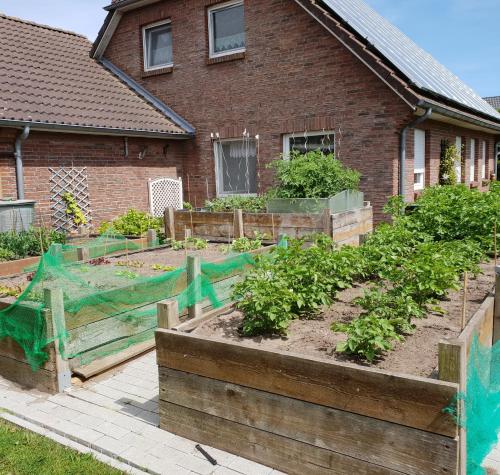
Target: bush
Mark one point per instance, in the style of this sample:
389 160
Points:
312 175
249 204
133 223
453 213
18 245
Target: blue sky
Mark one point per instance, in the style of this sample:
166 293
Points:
464 35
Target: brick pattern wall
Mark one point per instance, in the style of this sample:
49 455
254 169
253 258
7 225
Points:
436 132
293 77
116 183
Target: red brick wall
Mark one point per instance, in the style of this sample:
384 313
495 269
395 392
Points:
116 183
436 132
294 76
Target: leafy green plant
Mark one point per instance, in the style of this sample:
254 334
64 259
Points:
312 175
162 268
367 336
190 243
245 244
187 206
132 264
73 210
449 156
249 204
11 291
127 274
35 241
133 223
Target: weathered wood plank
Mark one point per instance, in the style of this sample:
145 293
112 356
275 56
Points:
111 348
22 374
411 401
390 445
496 322
192 324
480 325
9 348
285 454
103 364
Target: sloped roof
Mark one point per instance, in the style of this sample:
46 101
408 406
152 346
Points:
493 101
48 78
421 69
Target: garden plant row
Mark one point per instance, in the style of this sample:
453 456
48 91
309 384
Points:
412 264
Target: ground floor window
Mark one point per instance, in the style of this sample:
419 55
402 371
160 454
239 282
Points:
309 141
236 166
419 160
472 158
458 163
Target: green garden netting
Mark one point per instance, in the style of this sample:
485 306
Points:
105 307
481 404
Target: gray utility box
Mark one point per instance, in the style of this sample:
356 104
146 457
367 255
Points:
16 215
344 201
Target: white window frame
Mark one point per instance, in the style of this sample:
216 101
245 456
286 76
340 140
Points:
483 160
219 179
472 160
458 167
210 11
420 184
145 52
288 137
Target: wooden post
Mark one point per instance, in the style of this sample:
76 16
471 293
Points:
464 302
239 230
193 278
449 360
170 223
327 222
54 301
152 238
83 254
496 317
168 314
55 250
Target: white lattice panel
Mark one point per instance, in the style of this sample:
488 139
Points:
68 180
164 193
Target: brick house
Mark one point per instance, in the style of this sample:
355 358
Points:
65 110
298 74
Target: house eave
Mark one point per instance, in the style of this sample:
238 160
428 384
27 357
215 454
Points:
93 130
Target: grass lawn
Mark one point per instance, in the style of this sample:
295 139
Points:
25 453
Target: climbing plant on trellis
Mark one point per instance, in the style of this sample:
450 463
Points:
68 180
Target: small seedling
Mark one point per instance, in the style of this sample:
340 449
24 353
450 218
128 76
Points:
133 264
162 268
127 274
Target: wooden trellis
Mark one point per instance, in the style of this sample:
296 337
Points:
68 180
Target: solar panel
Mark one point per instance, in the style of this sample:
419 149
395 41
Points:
418 65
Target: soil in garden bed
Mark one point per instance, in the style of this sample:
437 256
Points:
417 355
119 271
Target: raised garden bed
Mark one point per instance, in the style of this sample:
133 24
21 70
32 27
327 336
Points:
104 311
346 227
417 355
305 412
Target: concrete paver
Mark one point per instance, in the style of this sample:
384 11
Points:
116 416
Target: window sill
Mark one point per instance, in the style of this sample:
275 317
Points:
474 184
158 72
226 58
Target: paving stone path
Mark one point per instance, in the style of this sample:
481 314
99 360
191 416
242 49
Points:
116 416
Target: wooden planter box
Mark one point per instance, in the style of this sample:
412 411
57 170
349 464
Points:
345 228
305 415
95 330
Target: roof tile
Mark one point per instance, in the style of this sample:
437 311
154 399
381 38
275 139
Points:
47 76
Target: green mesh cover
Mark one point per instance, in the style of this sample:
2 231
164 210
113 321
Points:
482 404
106 307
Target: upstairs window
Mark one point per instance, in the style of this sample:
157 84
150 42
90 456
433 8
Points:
226 25
309 141
157 46
419 160
236 167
